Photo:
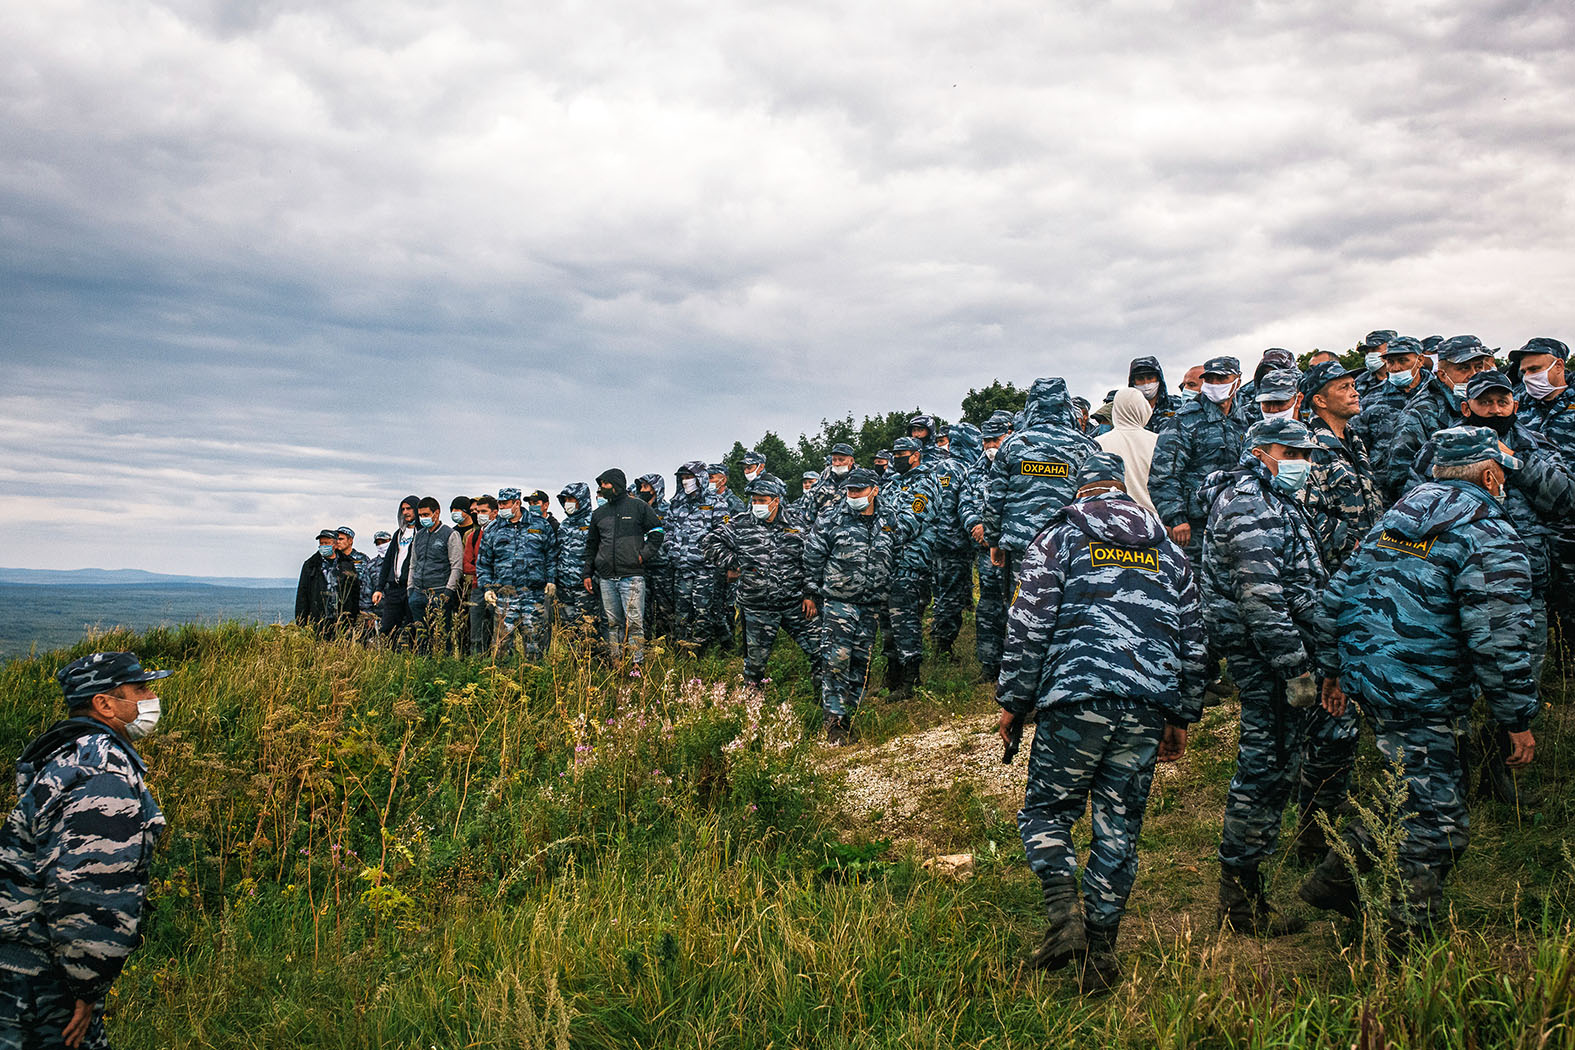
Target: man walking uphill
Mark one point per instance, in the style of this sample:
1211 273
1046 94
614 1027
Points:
75 856
625 534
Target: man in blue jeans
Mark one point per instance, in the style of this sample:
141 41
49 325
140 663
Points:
625 534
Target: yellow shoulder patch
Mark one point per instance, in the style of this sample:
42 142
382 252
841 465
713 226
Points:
1045 468
1106 555
920 502
1395 542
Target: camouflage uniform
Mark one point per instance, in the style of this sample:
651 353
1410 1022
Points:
954 551
1105 639
691 518
848 564
1200 440
1429 612
912 494
769 559
1383 407
989 624
1165 404
722 613
1432 408
516 561
660 584
1554 419
1262 579
575 606
75 859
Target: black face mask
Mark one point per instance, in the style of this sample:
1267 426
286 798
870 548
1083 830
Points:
607 494
902 464
649 495
1500 425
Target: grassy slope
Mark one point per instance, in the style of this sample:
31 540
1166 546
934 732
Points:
381 850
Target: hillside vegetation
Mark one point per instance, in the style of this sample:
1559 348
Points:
370 849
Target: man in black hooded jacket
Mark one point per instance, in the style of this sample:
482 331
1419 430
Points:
392 596
625 534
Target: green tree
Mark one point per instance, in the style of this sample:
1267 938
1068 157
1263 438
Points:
980 405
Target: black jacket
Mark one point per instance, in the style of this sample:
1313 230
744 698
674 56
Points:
625 534
314 602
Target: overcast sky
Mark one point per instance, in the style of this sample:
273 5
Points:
269 266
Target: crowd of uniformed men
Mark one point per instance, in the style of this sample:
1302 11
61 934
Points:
1383 544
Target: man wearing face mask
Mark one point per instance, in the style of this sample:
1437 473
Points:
371 572
1191 384
1548 408
909 491
764 552
693 514
518 558
437 562
393 583
1429 613
953 567
1146 376
660 600
1274 359
328 595
76 855
722 618
576 608
827 490
1435 406
848 561
1205 436
882 462
625 534
1277 396
1539 500
1262 581
1372 348
754 464
921 428
462 517
1384 403
989 621
484 510
344 547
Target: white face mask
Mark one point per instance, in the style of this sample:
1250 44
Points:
1537 385
990 453
1374 361
570 506
761 511
753 474
691 486
859 502
147 717
1148 389
839 471
381 547
1460 390
1284 413
1219 393
505 513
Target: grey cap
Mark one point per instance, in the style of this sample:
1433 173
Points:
1403 344
1458 349
1378 338
1222 366
1321 375
83 679
842 448
906 444
1288 432
810 475
1488 379
382 536
1542 345
507 493
1278 385
994 427
1462 446
1102 467
754 459
861 478
345 530
766 485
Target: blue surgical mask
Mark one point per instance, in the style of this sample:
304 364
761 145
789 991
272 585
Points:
456 516
601 501
426 521
1402 379
1374 361
761 511
325 549
1291 476
1188 394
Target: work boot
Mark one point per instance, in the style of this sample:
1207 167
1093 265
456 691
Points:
1330 887
839 730
893 673
1100 970
989 673
903 689
1245 909
1310 842
912 673
1216 692
1064 937
1496 782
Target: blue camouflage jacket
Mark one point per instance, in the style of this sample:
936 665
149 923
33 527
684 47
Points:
572 535
1539 498
518 554
850 557
1554 418
1106 610
915 495
371 571
75 857
951 472
1382 406
1035 472
767 555
1341 497
1262 575
1200 440
663 556
1432 408
1433 608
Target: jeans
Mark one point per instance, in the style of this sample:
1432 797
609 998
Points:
623 605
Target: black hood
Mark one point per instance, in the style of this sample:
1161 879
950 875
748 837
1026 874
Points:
616 479
415 508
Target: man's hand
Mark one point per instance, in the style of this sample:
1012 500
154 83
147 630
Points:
1173 744
551 591
977 532
732 574
998 557
1181 534
490 596
76 1028
377 597
587 585
1522 745
811 610
1333 698
1005 725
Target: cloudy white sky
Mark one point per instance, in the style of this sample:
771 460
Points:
268 266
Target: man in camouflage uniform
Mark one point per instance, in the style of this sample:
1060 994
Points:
1034 473
75 857
1276 395
344 546
1148 377
909 489
694 513
883 462
989 624
1539 500
1548 408
1105 640
764 551
954 549
848 562
827 489
921 428
1429 612
1406 372
1342 501
1204 436
371 572
1262 579
518 558
576 607
659 592
1274 359
722 613
754 464
328 595
1372 348
1434 407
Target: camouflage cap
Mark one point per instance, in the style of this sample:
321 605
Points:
1102 467
1288 432
1378 338
1402 344
809 475
1488 379
885 454
906 444
1082 402
754 459
1458 349
1542 345
1463 446
1321 375
842 448
1222 366
766 485
994 427
382 536
326 534
1430 342
861 478
83 679
927 422
715 468
1278 385
694 468
506 494
1277 357
345 530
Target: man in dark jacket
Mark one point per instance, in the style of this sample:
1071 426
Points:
1148 377
437 561
328 596
625 533
393 583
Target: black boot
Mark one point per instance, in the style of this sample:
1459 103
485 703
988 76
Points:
1497 782
988 673
1331 887
1245 909
911 674
1064 937
903 688
1310 842
1101 971
839 729
893 673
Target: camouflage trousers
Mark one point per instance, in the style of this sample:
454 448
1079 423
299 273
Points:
1328 756
576 608
1266 765
902 618
760 634
847 634
695 594
953 594
989 622
34 1011
660 598
525 611
1102 754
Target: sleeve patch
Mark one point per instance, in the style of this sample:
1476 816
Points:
1105 555
1395 542
1045 469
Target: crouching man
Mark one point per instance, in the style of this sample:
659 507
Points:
1105 638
